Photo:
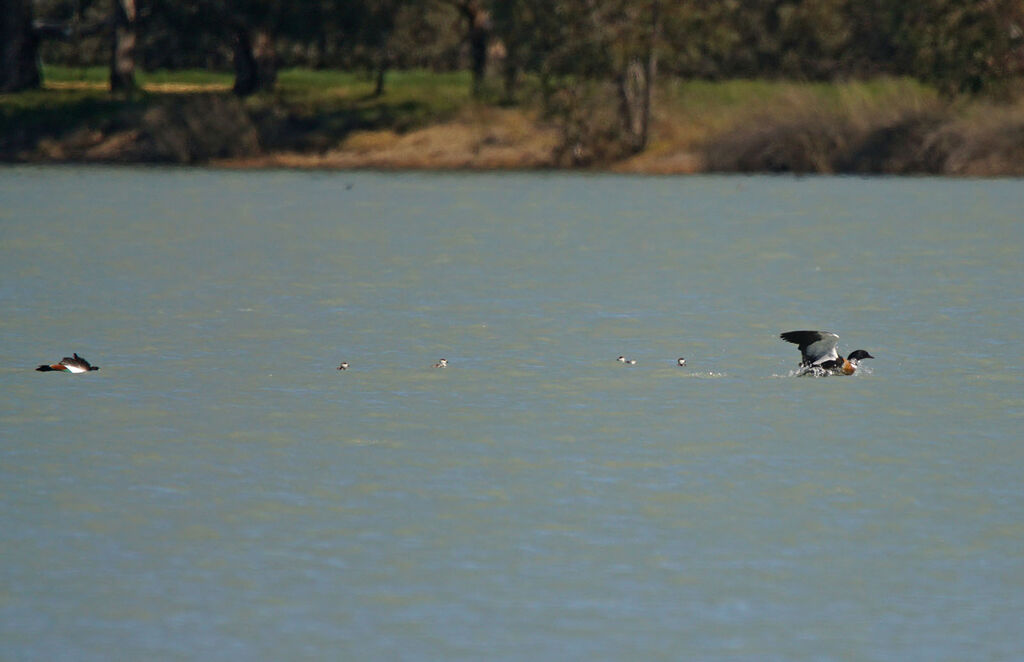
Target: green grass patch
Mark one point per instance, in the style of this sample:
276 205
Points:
434 94
334 103
186 77
101 75
62 74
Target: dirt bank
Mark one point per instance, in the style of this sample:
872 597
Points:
482 139
215 128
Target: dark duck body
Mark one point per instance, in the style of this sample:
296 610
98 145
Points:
819 354
74 364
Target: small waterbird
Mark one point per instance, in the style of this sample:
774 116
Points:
623 359
819 355
73 364
681 362
442 363
343 366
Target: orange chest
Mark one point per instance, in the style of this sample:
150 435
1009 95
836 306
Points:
848 368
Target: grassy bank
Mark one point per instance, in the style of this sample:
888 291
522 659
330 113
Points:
428 120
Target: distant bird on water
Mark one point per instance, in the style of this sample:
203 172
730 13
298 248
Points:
343 366
74 364
681 362
819 355
623 359
442 363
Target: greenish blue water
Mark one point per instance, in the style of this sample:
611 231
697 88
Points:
219 491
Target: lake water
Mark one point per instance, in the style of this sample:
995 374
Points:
218 490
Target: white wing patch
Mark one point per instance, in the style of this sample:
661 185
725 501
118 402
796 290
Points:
823 350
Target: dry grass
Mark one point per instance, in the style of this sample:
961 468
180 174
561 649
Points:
894 130
478 138
987 141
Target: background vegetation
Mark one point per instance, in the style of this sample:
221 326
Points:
806 85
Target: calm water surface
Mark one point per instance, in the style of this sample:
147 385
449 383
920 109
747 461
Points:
219 491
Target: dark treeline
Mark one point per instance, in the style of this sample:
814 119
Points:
959 46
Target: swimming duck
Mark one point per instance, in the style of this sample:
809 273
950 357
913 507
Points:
343 366
442 363
623 359
681 362
74 364
819 356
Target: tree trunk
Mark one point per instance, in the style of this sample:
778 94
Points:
383 63
511 77
122 59
378 86
245 64
255 62
266 60
633 90
652 70
479 38
636 85
19 61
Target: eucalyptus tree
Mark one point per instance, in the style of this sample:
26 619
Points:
637 28
578 45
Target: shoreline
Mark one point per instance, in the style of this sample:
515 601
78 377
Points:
798 130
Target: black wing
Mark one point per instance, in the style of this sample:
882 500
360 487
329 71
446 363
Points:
76 361
816 347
